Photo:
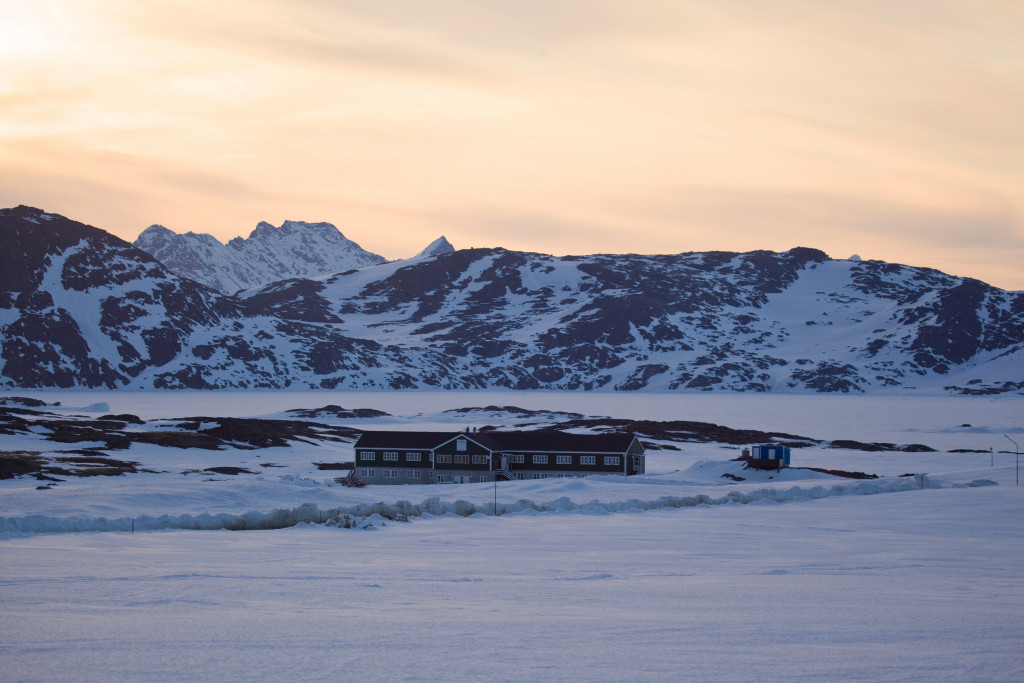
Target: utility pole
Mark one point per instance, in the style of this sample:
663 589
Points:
1017 451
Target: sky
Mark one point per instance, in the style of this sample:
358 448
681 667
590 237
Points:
891 130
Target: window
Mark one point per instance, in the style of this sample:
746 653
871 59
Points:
540 475
367 455
413 457
441 478
517 475
412 474
461 459
517 459
479 459
611 460
563 459
460 445
636 461
442 459
391 455
588 459
540 460
391 474
483 477
366 472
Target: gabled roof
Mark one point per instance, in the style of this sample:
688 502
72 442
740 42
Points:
556 442
530 441
409 440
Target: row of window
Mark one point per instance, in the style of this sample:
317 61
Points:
516 459
442 477
389 455
565 459
393 474
540 459
443 458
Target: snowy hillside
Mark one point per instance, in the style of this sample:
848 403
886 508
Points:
80 308
269 254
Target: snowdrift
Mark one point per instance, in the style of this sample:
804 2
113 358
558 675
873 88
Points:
372 515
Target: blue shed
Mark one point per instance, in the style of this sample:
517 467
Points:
771 452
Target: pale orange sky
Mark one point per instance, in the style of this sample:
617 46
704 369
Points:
894 130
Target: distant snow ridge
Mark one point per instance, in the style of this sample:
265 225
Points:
269 254
436 248
368 515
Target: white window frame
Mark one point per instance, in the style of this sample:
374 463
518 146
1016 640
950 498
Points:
540 475
460 444
366 472
588 459
479 459
612 460
367 455
413 457
390 455
462 459
563 459
390 474
444 459
413 474
540 459
517 459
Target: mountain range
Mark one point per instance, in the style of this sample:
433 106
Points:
269 254
82 308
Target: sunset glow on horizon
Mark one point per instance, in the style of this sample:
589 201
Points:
891 130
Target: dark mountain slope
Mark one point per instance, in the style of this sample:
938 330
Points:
79 307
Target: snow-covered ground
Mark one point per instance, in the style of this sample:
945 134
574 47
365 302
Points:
681 574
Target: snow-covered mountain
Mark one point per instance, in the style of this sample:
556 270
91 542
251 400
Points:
78 307
269 254
436 248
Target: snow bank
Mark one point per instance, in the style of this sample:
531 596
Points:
371 515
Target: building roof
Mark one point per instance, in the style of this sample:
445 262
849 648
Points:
410 440
556 442
531 441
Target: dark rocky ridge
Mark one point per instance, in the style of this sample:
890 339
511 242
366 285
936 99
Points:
79 307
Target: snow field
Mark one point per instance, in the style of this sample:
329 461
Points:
922 585
680 574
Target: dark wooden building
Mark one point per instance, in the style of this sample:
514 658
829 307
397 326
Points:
387 457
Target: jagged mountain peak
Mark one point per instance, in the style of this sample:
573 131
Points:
436 248
157 237
289 230
296 249
156 229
